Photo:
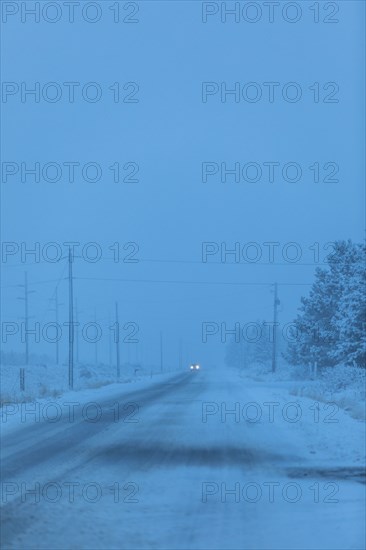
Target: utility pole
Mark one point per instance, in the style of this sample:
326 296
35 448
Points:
242 360
274 345
117 343
161 351
26 315
76 331
71 324
110 341
56 310
180 354
96 340
136 353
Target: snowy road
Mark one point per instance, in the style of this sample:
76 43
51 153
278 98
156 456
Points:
167 466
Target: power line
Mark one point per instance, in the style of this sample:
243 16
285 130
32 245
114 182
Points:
165 281
246 263
52 298
33 283
196 262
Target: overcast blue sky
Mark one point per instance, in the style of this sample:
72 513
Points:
169 133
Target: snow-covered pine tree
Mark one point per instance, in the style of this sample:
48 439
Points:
330 327
350 318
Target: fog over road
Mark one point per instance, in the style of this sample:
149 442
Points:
195 460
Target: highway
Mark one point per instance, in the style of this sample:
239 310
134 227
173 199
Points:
183 462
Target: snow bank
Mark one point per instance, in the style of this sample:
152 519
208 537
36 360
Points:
52 380
343 385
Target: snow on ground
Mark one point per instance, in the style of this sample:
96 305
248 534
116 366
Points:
343 385
324 429
195 471
62 406
44 380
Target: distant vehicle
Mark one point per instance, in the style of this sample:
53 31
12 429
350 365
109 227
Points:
195 366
